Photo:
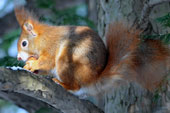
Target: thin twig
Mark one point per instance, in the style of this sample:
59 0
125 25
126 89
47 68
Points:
148 6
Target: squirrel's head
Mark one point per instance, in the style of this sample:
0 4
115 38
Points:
26 43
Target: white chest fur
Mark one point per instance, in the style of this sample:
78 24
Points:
55 74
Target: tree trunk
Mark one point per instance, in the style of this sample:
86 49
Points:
132 98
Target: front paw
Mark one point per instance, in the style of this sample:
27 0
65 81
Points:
31 66
56 81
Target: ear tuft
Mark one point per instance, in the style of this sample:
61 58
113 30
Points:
21 15
24 15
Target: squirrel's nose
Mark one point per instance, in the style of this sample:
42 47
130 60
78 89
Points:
19 58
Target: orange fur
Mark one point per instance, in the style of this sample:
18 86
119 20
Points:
121 43
77 57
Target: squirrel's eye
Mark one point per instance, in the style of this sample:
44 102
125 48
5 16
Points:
24 43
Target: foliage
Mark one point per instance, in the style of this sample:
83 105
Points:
8 39
67 16
10 61
165 22
165 38
45 4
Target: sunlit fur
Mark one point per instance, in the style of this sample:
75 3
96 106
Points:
76 53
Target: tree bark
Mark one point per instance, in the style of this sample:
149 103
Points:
28 103
92 10
134 12
132 98
23 84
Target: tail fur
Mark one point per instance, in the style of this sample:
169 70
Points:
131 59
121 43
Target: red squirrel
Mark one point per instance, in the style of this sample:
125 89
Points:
80 62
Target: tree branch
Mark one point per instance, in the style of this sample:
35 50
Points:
148 6
28 103
43 89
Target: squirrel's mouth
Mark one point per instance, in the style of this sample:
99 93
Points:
24 56
32 56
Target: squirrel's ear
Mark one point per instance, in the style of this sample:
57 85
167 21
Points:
26 20
29 28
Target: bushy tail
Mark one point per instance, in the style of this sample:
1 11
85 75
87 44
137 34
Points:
131 59
121 41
